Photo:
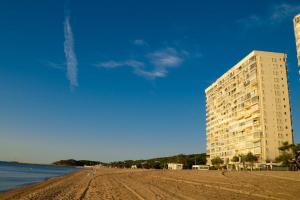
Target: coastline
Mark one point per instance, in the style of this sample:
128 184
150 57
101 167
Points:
34 183
38 164
28 188
16 175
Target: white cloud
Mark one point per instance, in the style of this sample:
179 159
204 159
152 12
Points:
70 55
139 42
276 15
284 11
54 65
110 64
159 63
115 64
168 57
150 74
134 63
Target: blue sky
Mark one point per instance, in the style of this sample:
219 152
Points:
113 80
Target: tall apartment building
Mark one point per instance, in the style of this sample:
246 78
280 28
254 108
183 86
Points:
297 35
248 109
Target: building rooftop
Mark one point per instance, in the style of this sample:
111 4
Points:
238 64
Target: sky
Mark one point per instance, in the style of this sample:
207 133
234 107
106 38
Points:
113 80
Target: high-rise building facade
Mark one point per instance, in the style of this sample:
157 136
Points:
248 109
297 35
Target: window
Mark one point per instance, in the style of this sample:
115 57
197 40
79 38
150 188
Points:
253 58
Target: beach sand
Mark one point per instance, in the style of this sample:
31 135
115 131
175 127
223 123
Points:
138 184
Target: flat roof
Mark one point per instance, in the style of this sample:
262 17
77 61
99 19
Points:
252 53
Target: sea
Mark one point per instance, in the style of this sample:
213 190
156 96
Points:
15 175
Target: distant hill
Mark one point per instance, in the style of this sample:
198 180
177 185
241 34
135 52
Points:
72 162
162 162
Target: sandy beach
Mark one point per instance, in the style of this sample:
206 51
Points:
162 184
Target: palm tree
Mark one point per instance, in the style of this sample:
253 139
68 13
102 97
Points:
243 160
288 153
286 147
295 148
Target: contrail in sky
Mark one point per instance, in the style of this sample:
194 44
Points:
71 59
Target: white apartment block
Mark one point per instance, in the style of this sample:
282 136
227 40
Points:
297 35
248 109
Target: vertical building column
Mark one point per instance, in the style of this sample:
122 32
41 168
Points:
297 36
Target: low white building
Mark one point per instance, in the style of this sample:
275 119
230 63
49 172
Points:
133 167
175 166
200 167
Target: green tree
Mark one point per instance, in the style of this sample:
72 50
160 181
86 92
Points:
251 158
286 147
235 159
295 148
217 161
243 160
161 162
287 153
284 158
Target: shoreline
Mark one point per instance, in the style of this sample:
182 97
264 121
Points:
111 183
27 188
25 185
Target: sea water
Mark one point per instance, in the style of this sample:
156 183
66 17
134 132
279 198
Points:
14 175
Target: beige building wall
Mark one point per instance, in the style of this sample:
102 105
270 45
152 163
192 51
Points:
297 35
248 109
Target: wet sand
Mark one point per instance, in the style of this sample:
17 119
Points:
162 184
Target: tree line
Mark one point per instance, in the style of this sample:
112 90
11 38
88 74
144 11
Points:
153 163
72 162
289 156
162 162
